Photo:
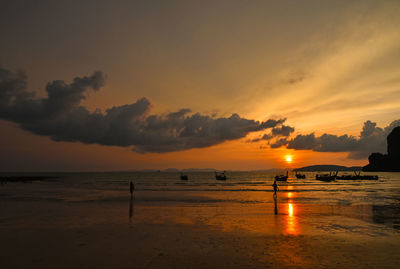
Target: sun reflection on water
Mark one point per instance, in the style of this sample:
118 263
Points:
290 210
291 220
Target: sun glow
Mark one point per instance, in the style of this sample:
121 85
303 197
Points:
289 158
291 220
290 209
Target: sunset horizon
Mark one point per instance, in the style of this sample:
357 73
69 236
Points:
208 90
200 134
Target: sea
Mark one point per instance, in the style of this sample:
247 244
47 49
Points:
376 201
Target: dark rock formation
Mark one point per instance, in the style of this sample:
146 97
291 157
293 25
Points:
393 141
390 162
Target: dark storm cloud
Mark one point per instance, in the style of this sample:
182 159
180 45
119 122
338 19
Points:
278 131
371 139
261 138
283 130
278 143
21 106
61 117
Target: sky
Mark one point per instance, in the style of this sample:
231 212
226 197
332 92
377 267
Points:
238 85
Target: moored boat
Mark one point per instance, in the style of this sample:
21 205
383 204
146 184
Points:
220 176
184 177
369 177
357 176
282 177
326 177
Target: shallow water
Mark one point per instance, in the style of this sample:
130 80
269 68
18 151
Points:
303 200
384 191
90 219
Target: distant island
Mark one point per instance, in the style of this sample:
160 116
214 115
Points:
202 170
327 167
390 162
173 170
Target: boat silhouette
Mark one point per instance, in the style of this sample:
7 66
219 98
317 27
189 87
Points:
184 177
326 177
282 177
357 176
220 176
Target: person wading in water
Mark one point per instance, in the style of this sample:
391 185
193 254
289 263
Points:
131 188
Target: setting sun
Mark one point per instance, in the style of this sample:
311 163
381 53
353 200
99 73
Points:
289 158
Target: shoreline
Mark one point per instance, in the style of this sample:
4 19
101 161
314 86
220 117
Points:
91 222
46 234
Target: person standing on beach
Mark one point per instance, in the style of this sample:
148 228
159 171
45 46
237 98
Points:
131 188
275 187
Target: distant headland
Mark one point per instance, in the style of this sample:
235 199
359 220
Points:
327 167
390 162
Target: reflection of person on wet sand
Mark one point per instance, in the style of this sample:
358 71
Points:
275 187
130 209
276 205
131 189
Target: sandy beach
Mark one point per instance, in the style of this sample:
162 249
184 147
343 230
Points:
62 225
191 229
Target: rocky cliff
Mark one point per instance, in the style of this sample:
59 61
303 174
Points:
390 162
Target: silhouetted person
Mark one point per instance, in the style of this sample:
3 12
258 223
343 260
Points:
275 187
131 188
276 205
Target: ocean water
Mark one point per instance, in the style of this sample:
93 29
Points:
375 201
90 219
383 191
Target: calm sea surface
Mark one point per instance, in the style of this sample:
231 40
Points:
376 200
90 218
238 187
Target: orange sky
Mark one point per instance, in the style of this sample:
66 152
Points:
325 66
36 153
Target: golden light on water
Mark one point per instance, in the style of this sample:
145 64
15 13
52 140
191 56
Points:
291 225
291 221
289 158
290 209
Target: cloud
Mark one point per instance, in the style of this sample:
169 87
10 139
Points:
371 139
294 77
61 117
283 130
278 131
279 143
261 138
21 106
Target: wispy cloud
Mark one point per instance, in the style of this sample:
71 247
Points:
348 71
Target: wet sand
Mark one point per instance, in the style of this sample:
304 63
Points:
124 233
